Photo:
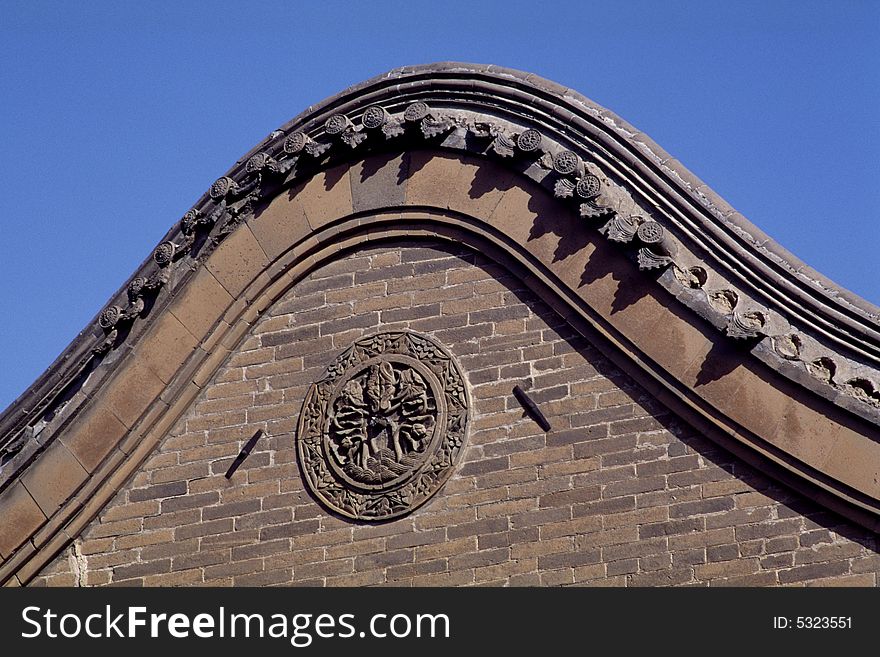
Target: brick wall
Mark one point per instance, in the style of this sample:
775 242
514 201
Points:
619 492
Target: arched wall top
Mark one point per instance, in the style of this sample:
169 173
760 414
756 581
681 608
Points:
575 172
574 113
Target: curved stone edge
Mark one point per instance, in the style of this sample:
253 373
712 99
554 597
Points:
699 191
155 276
231 197
73 497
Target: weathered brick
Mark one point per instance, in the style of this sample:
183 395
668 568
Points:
619 492
190 502
200 559
203 529
568 559
173 519
638 549
780 544
584 525
230 509
722 552
576 496
809 539
638 517
662 578
289 530
633 486
731 568
170 489
477 559
485 526
131 510
758 579
690 557
169 549
484 466
415 538
233 569
768 529
813 571
776 561
824 553
622 567
266 578
668 466
141 569
656 562
382 559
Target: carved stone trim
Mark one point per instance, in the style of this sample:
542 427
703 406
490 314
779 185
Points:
576 180
727 251
232 198
382 430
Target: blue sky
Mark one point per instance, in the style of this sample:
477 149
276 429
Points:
116 116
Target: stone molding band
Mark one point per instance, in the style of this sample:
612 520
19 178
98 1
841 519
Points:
781 317
825 339
351 233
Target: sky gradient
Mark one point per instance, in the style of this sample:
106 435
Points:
117 116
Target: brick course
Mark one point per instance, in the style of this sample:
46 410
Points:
619 492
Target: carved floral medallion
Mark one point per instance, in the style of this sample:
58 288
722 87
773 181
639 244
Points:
382 430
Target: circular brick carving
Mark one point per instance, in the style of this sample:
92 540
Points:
256 162
374 117
588 186
136 287
189 221
220 188
164 253
295 143
650 232
416 112
382 430
335 124
109 317
529 140
565 162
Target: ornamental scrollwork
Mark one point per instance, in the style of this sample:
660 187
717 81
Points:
382 430
575 177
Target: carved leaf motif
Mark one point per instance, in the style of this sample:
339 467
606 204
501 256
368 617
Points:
563 188
647 259
620 229
392 129
748 324
435 125
503 145
316 149
352 138
592 211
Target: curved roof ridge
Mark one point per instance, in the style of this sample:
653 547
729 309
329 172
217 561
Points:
702 222
812 281
702 192
716 321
